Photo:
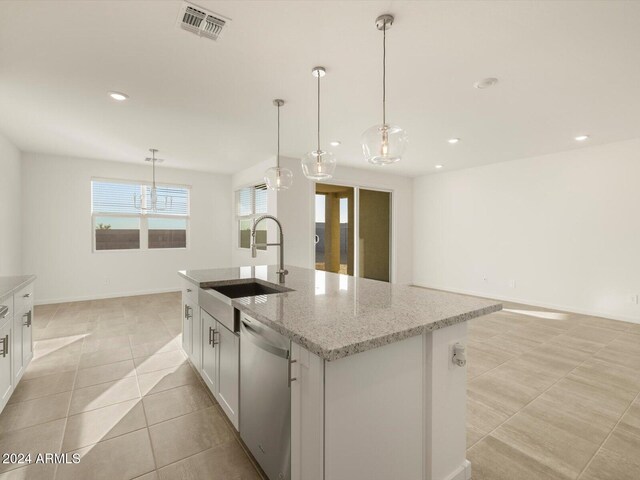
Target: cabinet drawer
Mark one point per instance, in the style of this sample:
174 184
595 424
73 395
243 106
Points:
190 291
6 309
24 299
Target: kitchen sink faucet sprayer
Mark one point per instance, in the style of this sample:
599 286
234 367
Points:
254 246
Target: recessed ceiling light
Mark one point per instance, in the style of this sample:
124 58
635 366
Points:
582 138
119 96
335 143
439 166
453 140
486 83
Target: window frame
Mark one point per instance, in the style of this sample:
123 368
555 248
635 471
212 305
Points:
143 217
253 215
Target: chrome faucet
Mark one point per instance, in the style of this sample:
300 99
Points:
254 246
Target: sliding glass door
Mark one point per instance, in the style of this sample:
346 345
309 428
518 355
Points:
353 231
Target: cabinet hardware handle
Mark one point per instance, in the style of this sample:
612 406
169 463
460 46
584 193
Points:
5 345
27 295
289 379
215 330
210 335
28 322
187 312
4 311
188 290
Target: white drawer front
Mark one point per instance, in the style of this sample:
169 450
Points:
24 299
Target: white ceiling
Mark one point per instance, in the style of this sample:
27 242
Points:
564 67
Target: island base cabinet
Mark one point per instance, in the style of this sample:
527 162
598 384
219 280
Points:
393 412
209 353
221 365
227 386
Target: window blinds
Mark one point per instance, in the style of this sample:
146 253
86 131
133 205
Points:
118 198
252 200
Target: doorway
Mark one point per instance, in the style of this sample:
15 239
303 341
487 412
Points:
353 231
335 232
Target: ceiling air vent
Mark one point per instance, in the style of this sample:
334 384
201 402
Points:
202 22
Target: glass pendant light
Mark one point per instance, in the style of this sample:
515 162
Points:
318 165
278 178
150 201
384 144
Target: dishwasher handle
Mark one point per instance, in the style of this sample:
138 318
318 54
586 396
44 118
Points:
258 340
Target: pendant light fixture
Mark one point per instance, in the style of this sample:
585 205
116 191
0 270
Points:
153 202
278 178
384 144
318 164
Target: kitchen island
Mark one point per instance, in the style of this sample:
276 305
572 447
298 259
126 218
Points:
374 391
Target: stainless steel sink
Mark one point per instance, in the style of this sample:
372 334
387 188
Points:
248 289
216 299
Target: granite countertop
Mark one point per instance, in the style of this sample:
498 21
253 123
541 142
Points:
9 285
336 315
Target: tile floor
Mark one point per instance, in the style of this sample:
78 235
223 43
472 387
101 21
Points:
108 381
551 396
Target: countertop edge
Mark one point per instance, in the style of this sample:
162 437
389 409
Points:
29 279
359 347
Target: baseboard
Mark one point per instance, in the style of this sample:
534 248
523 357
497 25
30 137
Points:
463 472
50 301
562 308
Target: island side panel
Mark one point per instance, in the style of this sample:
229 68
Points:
374 413
445 397
307 415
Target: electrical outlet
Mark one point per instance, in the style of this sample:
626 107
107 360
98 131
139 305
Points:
635 299
512 283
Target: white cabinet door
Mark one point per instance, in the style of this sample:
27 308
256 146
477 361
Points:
196 338
27 338
209 352
227 387
6 373
187 325
16 347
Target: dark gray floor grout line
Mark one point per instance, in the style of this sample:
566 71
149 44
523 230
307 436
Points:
546 390
66 419
609 436
146 421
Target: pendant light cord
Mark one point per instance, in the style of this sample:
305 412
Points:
384 73
318 114
153 164
278 154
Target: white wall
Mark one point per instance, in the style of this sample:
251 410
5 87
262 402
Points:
57 233
564 226
10 209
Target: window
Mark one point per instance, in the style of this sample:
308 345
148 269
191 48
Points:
251 202
120 220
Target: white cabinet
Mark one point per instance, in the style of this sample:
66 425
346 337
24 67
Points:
16 347
227 387
27 337
191 327
7 379
16 340
187 317
209 353
221 365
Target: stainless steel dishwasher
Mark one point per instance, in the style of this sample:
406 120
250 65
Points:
265 397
